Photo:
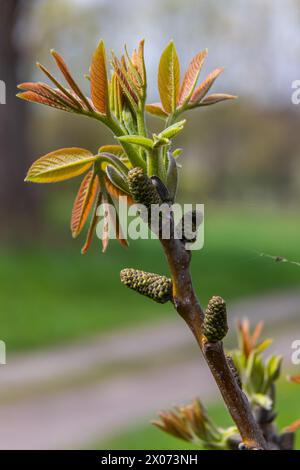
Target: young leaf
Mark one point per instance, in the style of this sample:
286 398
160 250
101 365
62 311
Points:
83 202
93 224
156 109
117 178
216 98
169 78
172 176
293 427
191 76
60 165
136 140
205 86
99 83
114 149
173 130
116 192
70 80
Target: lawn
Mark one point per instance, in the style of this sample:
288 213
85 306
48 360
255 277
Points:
148 437
51 294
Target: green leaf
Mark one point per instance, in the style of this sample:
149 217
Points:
136 140
117 179
83 202
262 400
172 176
169 78
60 165
273 367
99 82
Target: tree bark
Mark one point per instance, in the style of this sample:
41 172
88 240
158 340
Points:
17 204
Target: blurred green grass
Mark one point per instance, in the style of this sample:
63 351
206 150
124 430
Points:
146 436
51 294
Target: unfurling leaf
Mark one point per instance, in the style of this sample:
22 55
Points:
205 86
116 192
172 176
111 217
93 223
70 80
60 165
173 130
295 379
83 202
216 98
169 78
137 140
191 76
42 93
117 178
114 149
293 427
262 400
156 109
99 83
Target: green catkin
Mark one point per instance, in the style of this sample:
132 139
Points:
215 325
141 188
154 286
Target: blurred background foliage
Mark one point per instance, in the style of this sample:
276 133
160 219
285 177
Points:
241 159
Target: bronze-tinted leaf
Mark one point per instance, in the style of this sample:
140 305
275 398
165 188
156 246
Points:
93 224
216 98
293 427
169 78
205 86
191 76
295 379
99 83
83 202
60 165
116 192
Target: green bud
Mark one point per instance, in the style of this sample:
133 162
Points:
215 321
157 288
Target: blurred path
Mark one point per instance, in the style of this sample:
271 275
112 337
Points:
56 416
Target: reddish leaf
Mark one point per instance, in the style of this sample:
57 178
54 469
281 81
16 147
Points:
169 78
205 86
65 71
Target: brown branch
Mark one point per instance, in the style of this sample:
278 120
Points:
187 305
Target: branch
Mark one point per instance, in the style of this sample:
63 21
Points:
187 305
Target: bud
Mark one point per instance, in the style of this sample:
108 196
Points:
215 321
154 286
142 189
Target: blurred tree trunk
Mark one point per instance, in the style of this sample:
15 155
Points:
17 201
